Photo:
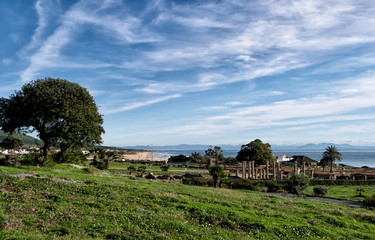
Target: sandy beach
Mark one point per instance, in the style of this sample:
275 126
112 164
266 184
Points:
141 156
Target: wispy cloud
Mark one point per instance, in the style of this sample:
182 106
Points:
134 105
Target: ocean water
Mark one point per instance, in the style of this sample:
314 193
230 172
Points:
355 158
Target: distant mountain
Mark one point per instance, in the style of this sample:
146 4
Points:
27 140
310 146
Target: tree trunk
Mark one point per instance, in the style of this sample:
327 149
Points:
46 148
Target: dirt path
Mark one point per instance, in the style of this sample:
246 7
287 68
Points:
322 199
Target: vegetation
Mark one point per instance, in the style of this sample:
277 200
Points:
215 152
255 151
297 184
320 191
179 159
68 202
63 113
11 142
331 155
164 168
217 173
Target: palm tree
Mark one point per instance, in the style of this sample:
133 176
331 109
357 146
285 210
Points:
324 162
332 155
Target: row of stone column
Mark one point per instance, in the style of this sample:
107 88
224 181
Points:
249 171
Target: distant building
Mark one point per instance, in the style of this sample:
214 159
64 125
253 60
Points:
303 158
281 158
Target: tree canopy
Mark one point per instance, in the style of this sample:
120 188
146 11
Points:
256 151
11 142
63 113
215 152
331 154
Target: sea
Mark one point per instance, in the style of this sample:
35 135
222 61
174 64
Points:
355 158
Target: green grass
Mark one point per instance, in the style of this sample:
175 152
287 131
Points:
345 192
67 202
156 169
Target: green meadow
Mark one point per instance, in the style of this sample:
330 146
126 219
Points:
74 202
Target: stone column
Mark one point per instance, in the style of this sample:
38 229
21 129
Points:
295 167
267 170
249 170
274 170
278 171
243 169
237 172
253 169
312 173
303 167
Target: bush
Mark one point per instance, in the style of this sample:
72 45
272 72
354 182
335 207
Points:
164 168
198 181
360 191
369 202
131 169
32 159
297 184
68 157
320 191
141 169
179 159
273 186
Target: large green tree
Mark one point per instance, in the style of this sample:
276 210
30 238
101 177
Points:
256 151
63 113
331 154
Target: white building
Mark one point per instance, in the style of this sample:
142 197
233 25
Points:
281 158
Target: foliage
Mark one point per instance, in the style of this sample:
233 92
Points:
196 157
324 162
178 159
331 155
297 184
230 161
198 181
255 151
11 142
217 173
69 157
369 202
102 158
141 169
320 191
63 113
215 152
360 191
131 169
164 168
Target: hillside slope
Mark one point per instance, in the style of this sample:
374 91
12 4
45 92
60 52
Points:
28 140
70 202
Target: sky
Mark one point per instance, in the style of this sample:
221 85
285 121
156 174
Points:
204 72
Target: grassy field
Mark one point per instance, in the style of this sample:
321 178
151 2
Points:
69 202
345 192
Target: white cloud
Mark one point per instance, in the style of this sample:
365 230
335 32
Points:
135 105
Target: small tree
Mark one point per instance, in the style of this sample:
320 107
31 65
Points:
215 152
324 162
217 173
298 183
196 157
11 142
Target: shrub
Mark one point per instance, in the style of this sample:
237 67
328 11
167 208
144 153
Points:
68 157
131 169
360 191
164 168
297 184
141 169
369 202
273 186
32 159
320 191
198 181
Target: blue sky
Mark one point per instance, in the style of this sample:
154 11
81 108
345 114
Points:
204 72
